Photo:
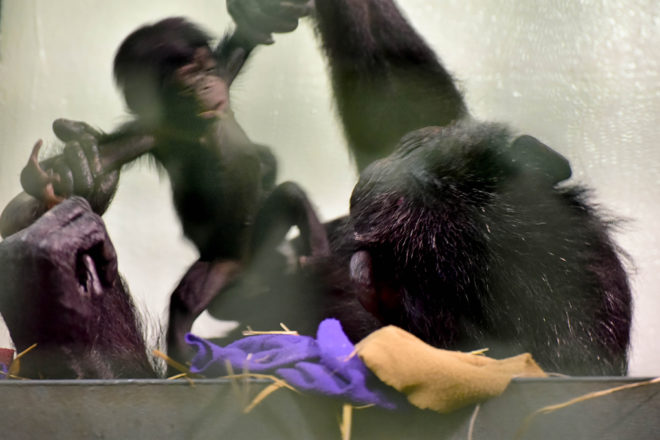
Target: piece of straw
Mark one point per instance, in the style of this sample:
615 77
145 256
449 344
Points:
276 385
273 332
473 421
233 379
15 366
171 362
261 396
261 376
285 331
480 351
185 372
596 394
346 421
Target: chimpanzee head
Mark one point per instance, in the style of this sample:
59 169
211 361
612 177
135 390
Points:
425 216
168 74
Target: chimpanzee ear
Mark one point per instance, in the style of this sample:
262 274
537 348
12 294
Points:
533 155
362 276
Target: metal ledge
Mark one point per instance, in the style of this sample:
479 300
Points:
212 409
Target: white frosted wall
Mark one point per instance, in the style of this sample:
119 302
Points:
581 76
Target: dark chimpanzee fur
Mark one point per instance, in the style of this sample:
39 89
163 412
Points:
222 183
217 173
462 235
461 244
386 79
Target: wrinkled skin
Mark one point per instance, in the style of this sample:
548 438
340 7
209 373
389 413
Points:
61 290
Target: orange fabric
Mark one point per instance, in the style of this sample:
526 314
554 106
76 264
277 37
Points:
440 380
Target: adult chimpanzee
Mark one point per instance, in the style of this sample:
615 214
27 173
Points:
62 291
460 232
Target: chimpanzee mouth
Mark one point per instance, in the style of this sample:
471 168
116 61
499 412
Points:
216 112
210 114
91 270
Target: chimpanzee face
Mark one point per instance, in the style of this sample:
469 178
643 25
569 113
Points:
196 94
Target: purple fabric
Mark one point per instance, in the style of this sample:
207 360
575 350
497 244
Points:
323 365
3 371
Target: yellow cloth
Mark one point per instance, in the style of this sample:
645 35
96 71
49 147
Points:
436 379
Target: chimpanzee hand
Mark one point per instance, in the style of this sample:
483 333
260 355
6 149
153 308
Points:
256 20
77 171
81 153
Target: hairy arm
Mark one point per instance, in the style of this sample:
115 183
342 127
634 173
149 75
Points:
386 79
256 21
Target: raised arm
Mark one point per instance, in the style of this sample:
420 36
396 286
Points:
256 21
386 79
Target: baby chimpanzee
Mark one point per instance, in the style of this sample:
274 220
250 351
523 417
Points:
222 183
177 87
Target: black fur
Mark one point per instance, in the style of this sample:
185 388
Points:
461 232
480 252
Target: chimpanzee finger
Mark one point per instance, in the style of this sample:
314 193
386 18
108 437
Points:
90 147
282 17
63 185
254 24
246 24
105 189
33 177
254 36
68 130
289 9
274 17
83 180
282 25
265 4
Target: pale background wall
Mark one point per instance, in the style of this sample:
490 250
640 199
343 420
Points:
582 76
